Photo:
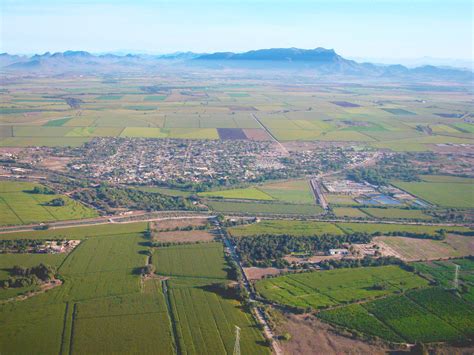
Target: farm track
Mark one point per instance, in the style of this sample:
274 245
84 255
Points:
282 147
171 317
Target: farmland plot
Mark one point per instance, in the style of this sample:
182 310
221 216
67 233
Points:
278 227
19 206
205 321
196 260
412 321
326 288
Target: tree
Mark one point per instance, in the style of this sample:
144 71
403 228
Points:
57 202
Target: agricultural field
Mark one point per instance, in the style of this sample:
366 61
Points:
104 305
396 213
264 208
424 315
86 232
279 227
387 228
341 200
320 289
250 193
411 249
356 317
19 205
443 194
414 322
349 212
291 191
205 320
32 118
196 260
442 271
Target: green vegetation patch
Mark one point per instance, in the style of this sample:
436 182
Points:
356 317
19 205
441 194
388 228
413 322
205 321
154 98
292 191
281 227
348 212
264 208
396 213
59 122
196 260
249 193
84 232
319 289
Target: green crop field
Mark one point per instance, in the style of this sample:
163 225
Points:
80 232
396 213
249 193
328 288
341 200
292 191
196 260
205 321
447 179
357 317
264 208
425 315
103 306
385 228
412 321
138 323
443 271
19 206
445 194
349 212
278 227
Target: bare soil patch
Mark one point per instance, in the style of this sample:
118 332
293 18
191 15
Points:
179 223
310 336
184 236
311 259
257 273
55 163
257 134
412 249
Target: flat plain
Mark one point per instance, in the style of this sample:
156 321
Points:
19 205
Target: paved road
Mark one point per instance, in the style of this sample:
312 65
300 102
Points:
124 219
282 147
259 315
166 215
318 193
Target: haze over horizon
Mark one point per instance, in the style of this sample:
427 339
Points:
404 29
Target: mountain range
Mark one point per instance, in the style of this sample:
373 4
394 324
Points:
319 60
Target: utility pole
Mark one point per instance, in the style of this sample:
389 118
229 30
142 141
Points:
456 277
237 341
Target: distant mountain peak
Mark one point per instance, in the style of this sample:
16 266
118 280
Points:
278 54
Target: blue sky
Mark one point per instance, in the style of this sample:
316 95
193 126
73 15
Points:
362 28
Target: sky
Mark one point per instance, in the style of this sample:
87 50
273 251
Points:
358 28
